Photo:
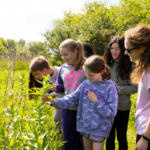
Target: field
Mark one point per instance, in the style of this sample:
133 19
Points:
28 124
24 124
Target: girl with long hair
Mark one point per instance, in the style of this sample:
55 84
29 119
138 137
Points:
137 44
70 76
121 68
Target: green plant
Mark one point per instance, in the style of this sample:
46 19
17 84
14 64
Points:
46 85
24 124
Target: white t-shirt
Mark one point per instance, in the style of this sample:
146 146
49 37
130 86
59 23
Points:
143 103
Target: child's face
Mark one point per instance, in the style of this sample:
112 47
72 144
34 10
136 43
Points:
38 74
68 56
97 77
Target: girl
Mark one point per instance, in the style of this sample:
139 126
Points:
97 99
137 44
70 76
121 68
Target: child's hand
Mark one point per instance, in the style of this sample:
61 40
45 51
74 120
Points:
92 97
47 100
53 88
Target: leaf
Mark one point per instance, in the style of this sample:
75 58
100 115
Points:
39 81
43 135
40 142
34 145
50 97
46 146
14 147
43 117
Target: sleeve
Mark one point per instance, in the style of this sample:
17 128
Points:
128 89
55 75
68 100
59 82
108 107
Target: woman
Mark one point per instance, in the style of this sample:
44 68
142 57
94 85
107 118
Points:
121 68
137 44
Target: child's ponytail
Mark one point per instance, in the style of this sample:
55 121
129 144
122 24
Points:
80 56
106 74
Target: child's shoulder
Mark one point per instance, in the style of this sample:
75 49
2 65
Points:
109 82
85 82
112 85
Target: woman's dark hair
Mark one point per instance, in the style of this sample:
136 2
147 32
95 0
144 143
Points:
88 50
33 83
124 67
96 64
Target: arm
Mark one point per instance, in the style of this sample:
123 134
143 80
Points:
108 108
142 144
67 101
128 89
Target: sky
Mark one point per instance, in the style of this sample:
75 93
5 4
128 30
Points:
28 19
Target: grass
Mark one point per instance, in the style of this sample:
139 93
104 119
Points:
24 124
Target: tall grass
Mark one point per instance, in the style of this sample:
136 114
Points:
20 65
24 124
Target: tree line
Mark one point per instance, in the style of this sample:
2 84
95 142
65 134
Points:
95 24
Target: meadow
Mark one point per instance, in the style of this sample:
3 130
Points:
28 124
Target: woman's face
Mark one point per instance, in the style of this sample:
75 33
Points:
115 51
135 54
68 56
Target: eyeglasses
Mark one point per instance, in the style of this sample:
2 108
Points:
114 48
130 49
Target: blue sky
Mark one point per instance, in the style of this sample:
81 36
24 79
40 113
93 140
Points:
27 19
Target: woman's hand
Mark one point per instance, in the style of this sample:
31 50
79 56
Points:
92 97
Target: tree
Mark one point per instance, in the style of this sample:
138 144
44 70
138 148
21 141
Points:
36 47
21 43
97 23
